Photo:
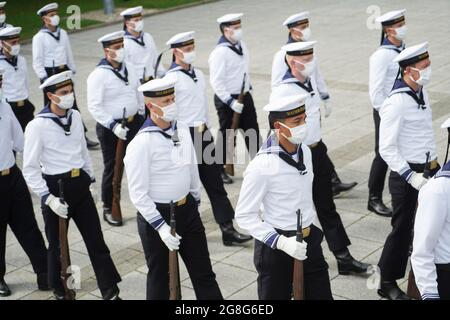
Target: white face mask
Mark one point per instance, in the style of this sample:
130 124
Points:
424 78
237 35
169 112
298 133
54 21
139 26
401 33
66 102
14 50
2 18
120 55
306 33
188 57
308 70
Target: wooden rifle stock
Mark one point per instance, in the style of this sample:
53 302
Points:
297 277
69 294
174 270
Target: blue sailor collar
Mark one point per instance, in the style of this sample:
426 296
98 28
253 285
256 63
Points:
190 73
47 113
444 172
386 44
139 39
55 35
401 86
237 47
170 133
104 63
289 78
290 39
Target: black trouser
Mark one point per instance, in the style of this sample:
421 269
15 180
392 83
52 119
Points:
443 280
379 166
329 218
108 143
275 269
248 120
394 257
24 112
209 172
84 213
53 71
193 251
17 212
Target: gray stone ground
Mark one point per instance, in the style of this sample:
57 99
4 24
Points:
344 46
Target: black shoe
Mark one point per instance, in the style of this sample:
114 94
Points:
42 282
107 216
59 294
377 206
111 293
226 178
391 291
4 289
348 265
230 235
91 145
339 187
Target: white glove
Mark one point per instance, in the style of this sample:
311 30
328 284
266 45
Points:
236 106
173 243
61 209
94 192
120 132
417 180
296 250
328 108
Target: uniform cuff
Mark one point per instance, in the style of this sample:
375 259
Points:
229 101
112 125
271 239
324 96
430 296
156 224
407 174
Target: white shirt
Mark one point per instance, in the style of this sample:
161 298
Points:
289 87
191 100
48 150
431 244
49 52
382 73
107 94
11 136
277 188
279 69
406 131
15 79
227 69
158 171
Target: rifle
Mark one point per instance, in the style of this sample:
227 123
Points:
69 294
174 270
229 166
297 278
116 212
412 289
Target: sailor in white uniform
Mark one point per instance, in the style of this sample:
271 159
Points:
15 83
55 150
162 175
430 259
192 106
406 138
279 181
382 73
297 80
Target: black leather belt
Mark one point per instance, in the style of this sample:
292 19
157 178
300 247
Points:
292 233
74 173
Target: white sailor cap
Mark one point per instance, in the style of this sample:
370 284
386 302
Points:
181 39
2 4
297 19
391 17
158 88
47 8
412 55
132 12
111 38
57 81
287 107
301 48
230 19
10 33
446 124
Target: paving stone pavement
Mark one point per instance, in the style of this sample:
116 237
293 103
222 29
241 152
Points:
344 46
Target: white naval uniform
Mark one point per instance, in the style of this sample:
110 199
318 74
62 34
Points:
406 130
107 94
382 72
192 103
142 53
49 52
227 69
15 85
279 190
11 136
431 244
289 87
48 150
159 171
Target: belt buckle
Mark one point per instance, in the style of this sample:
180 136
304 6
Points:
20 103
130 118
181 202
306 232
61 67
201 128
75 173
433 164
5 172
